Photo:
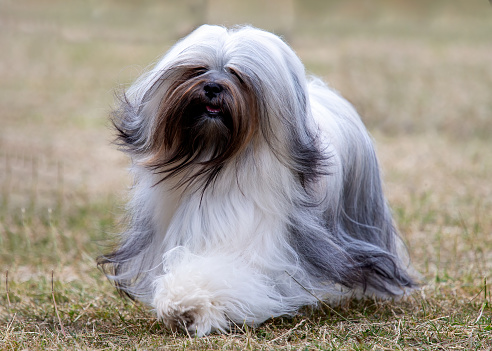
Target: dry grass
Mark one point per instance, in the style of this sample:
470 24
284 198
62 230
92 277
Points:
419 73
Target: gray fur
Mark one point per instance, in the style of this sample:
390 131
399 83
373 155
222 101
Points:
298 161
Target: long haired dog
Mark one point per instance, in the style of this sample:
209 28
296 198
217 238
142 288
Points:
257 190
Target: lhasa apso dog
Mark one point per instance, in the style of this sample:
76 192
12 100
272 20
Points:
257 189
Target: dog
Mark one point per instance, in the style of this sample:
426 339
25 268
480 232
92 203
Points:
256 188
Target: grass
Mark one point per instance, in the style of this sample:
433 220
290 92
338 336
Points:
420 76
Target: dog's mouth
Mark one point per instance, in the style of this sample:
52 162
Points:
213 111
215 114
208 117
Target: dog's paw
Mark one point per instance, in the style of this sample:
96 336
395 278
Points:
194 311
211 293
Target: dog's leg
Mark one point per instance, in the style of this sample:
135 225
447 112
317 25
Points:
183 302
206 293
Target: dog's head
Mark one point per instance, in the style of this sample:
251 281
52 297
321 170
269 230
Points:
215 95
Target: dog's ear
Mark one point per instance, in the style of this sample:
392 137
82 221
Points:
132 120
130 130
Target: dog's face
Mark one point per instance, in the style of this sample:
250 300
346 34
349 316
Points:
215 95
207 115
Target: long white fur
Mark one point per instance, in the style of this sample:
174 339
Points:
225 254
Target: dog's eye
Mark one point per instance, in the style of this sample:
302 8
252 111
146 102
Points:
198 71
235 74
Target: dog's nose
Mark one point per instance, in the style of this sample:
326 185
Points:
212 89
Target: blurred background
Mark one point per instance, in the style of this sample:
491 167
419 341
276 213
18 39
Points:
419 72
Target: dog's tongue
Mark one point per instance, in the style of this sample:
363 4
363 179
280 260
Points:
212 109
